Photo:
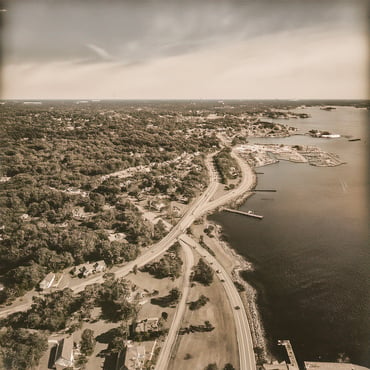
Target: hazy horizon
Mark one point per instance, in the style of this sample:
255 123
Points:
165 50
92 100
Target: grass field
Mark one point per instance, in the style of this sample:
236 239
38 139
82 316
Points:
197 350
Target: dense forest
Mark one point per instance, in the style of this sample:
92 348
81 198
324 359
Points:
59 193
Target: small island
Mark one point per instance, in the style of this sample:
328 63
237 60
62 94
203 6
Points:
323 134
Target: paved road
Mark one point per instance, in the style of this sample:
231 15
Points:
246 184
19 308
243 333
166 351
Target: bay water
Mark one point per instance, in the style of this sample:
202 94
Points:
311 251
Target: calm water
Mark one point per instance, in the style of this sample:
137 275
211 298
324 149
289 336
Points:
310 251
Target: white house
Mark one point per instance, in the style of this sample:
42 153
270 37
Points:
64 354
48 281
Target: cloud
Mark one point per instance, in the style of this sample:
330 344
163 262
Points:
103 54
36 30
326 65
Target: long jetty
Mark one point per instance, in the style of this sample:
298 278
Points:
266 190
249 213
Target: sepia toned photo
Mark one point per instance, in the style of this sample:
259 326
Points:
184 185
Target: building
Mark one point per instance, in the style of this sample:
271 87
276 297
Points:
99 266
135 356
275 365
147 325
48 281
87 269
332 366
64 354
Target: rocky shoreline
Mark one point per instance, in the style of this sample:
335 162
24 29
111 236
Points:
249 296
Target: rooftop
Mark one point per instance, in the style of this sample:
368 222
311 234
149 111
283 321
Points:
332 366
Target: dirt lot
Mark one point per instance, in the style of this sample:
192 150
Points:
197 350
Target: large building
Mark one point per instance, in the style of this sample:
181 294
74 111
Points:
64 354
332 366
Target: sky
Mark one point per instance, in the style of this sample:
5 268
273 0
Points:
172 49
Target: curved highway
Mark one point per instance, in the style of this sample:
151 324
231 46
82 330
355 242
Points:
245 344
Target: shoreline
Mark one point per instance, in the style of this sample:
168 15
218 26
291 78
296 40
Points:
249 295
240 263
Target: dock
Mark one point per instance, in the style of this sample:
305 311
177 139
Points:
292 360
249 213
266 190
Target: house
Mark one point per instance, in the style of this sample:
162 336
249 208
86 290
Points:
135 356
87 269
25 217
64 354
150 324
99 266
48 281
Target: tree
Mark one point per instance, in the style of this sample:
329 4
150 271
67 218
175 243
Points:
168 266
228 366
53 311
25 277
211 367
113 300
118 343
87 342
159 230
21 349
202 273
174 294
202 301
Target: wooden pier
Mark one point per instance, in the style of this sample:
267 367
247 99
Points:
249 213
266 190
292 360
